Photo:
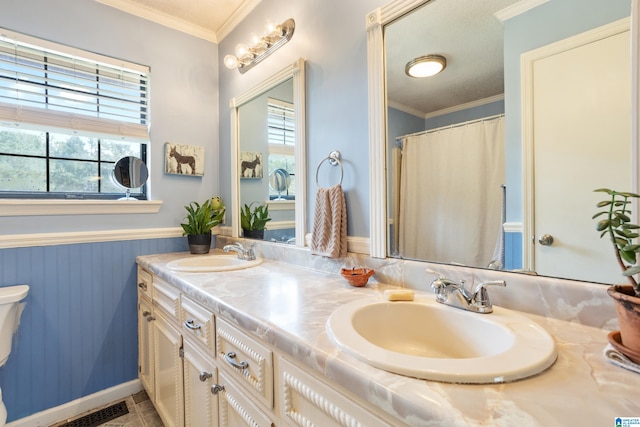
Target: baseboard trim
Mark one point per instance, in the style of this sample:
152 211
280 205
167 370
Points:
76 407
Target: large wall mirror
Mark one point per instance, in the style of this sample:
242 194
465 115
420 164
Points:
459 150
268 156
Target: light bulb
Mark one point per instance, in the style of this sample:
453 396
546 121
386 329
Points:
269 27
255 39
231 62
241 50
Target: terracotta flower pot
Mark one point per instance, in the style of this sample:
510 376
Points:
199 243
628 311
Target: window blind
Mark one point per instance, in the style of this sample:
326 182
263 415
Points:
55 86
280 122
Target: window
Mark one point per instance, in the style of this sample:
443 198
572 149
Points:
281 138
66 117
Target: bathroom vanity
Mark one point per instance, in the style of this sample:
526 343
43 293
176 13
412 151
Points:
249 347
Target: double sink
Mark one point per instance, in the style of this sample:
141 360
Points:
422 338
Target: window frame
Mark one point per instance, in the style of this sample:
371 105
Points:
57 120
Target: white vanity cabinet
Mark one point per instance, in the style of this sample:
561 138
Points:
207 371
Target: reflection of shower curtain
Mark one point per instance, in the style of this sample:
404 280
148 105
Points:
450 193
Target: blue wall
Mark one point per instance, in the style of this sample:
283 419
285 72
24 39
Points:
78 332
183 100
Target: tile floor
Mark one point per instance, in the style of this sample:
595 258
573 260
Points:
141 413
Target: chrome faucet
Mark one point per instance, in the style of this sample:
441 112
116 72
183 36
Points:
245 253
476 301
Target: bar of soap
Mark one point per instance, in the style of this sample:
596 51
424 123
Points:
398 295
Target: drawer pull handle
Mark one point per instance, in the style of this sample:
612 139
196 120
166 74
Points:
142 286
204 375
145 313
216 388
150 318
191 324
230 358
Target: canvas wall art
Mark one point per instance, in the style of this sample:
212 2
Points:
250 164
183 159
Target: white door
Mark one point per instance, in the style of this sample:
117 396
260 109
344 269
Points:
581 141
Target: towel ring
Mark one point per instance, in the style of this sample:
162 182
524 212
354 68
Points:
334 160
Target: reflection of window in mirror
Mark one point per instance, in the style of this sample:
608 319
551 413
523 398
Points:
281 138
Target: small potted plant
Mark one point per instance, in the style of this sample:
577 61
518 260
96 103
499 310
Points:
200 219
253 220
615 223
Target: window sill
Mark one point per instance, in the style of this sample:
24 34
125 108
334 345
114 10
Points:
29 207
281 205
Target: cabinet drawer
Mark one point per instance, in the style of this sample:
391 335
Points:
307 401
145 282
197 323
246 360
167 298
235 409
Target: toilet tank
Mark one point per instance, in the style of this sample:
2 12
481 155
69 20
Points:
10 310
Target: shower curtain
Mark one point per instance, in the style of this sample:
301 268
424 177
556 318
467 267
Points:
450 193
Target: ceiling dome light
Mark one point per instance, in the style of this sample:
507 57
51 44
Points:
426 66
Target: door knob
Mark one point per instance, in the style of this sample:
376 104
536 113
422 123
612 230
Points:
546 240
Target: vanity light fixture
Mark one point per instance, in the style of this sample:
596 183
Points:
426 66
248 56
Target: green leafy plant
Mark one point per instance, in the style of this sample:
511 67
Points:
201 218
617 225
254 218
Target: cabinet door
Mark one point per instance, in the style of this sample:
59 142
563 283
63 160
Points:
145 345
200 404
168 372
236 410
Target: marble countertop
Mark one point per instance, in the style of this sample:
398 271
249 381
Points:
288 306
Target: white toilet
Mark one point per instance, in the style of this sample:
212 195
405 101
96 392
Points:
10 310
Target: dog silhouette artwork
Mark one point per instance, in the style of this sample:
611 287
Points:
183 160
246 165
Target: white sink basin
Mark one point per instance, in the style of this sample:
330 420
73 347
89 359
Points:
425 339
210 263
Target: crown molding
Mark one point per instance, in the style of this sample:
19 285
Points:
162 19
518 9
241 12
181 25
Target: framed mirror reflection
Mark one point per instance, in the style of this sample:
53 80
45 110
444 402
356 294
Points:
268 139
458 147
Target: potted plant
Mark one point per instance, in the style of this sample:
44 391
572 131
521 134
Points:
253 220
615 223
200 219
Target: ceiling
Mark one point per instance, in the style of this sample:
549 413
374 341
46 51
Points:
468 33
207 19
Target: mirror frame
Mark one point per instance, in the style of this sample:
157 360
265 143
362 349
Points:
376 21
296 72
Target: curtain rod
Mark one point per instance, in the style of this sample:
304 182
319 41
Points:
455 125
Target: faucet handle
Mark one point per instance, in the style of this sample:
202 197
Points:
481 296
435 273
